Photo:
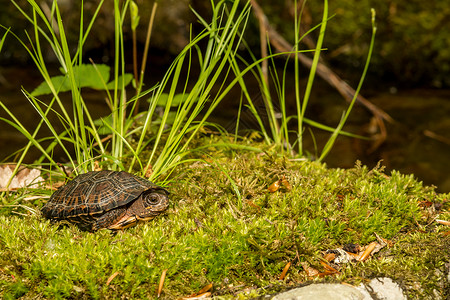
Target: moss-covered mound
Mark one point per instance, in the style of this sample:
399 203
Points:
225 227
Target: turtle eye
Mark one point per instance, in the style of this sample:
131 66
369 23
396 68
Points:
153 199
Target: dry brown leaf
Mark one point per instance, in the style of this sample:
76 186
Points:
425 203
353 255
443 222
205 289
197 296
252 204
365 255
56 185
112 277
286 183
329 257
203 293
327 273
339 256
149 172
161 283
383 242
97 166
350 247
24 178
285 270
274 186
329 268
310 271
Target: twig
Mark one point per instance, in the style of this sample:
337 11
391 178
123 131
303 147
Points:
145 55
281 45
112 277
161 283
436 136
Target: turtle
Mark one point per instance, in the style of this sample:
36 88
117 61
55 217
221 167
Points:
106 199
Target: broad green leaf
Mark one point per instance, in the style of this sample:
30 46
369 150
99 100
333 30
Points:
94 77
102 129
177 99
134 13
59 82
126 78
85 76
104 124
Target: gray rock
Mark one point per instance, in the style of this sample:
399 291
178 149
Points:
378 288
322 291
382 289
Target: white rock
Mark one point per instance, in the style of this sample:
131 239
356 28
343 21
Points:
383 288
322 292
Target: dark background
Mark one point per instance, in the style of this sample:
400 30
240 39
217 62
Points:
408 77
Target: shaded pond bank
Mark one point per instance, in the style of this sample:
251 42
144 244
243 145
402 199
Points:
418 141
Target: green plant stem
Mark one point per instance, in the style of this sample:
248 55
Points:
312 74
330 142
140 82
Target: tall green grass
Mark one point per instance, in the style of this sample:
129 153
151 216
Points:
169 142
277 130
160 143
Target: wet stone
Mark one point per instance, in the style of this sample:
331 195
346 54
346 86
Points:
322 291
377 288
382 288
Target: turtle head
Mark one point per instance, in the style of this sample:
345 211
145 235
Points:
148 205
154 201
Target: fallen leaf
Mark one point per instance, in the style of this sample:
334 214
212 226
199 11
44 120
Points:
252 204
310 271
425 203
353 248
365 255
340 256
329 268
97 166
329 257
205 288
274 186
285 270
286 183
25 177
161 283
443 222
353 255
112 277
200 296
149 172
203 293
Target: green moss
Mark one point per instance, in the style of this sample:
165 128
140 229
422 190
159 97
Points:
224 227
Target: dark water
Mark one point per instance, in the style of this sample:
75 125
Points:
417 142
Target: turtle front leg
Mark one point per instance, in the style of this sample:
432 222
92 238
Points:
109 218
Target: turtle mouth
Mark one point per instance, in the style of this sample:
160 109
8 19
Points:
144 219
129 222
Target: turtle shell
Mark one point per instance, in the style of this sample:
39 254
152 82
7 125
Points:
90 195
